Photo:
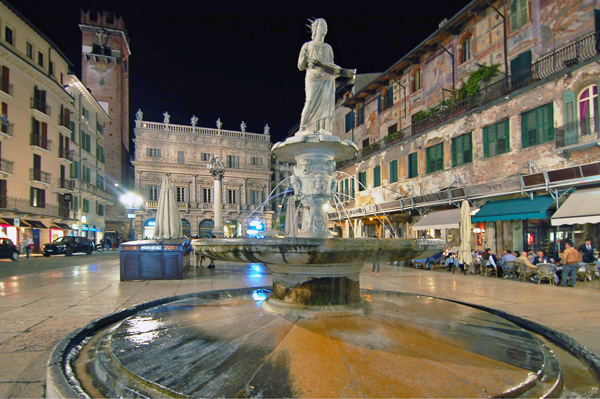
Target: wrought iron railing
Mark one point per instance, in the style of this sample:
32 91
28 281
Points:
65 153
6 127
41 106
6 166
40 176
40 141
6 86
26 205
552 64
578 132
64 120
66 184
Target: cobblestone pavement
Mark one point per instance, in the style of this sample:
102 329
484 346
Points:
42 300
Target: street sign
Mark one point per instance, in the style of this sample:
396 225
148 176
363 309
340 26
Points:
17 222
131 216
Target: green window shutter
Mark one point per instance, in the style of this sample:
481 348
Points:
377 176
569 107
514 22
413 165
456 148
524 131
468 148
486 142
547 114
503 137
350 121
379 103
523 12
394 171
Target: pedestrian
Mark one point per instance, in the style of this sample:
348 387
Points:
28 245
211 265
375 265
587 251
107 242
570 260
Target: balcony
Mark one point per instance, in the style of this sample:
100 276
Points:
66 185
36 140
41 106
91 190
577 135
180 205
6 167
66 154
64 120
25 206
545 68
39 176
6 87
6 128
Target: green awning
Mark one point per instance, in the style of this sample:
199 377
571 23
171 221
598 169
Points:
514 209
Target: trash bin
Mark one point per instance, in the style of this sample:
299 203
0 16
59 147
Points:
155 259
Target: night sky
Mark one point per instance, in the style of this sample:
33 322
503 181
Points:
237 60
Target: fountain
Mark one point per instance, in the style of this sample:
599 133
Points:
315 333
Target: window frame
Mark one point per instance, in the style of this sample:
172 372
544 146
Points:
544 131
393 165
377 176
362 181
413 163
491 132
435 164
462 142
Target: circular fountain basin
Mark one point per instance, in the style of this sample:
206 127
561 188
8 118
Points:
224 344
312 276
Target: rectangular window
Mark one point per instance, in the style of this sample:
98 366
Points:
86 114
86 174
180 194
394 171
537 126
462 150
100 127
256 197
377 176
361 114
362 181
51 68
180 157
435 158
519 14
37 197
5 80
75 203
99 181
233 161
86 141
100 153
73 132
231 196
75 170
100 210
153 152
496 139
207 195
365 143
413 165
379 103
255 161
85 205
350 120
29 50
206 157
8 35
40 59
152 193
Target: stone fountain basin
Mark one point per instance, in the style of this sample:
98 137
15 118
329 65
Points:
314 253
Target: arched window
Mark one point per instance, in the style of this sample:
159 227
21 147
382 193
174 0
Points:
415 84
465 54
587 106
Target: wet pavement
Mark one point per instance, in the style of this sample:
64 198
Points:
41 302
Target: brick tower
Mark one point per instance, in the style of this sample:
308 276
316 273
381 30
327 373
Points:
105 71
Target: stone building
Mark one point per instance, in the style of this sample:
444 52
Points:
515 144
105 56
51 140
184 152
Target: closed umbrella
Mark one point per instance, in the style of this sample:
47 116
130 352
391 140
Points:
290 217
168 221
464 253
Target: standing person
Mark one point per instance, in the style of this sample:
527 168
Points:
211 265
570 260
587 251
375 265
107 243
28 244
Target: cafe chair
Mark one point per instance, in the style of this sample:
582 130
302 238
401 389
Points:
547 272
510 270
525 271
586 272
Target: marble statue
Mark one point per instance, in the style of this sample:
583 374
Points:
316 58
167 117
243 126
194 120
219 124
139 115
267 129
215 163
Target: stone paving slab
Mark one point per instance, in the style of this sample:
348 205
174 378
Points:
66 293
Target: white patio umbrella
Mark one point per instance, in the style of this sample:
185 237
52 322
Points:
464 253
291 226
168 221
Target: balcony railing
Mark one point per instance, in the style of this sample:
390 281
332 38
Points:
6 166
154 205
546 67
65 153
6 127
26 205
6 86
40 176
41 106
66 184
65 121
39 141
579 132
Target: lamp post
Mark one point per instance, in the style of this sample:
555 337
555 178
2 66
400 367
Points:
131 202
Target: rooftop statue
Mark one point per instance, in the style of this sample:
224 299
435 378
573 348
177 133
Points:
316 57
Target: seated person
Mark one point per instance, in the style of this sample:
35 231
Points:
508 257
541 258
453 261
524 258
492 261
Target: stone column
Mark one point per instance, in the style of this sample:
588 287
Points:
218 202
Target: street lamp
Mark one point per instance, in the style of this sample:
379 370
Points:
131 202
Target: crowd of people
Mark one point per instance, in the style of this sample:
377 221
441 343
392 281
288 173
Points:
566 265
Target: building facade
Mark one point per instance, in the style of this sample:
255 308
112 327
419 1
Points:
105 56
183 152
51 173
498 104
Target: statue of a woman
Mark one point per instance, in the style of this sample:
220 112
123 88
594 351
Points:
316 57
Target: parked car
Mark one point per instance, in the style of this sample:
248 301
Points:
8 249
68 246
